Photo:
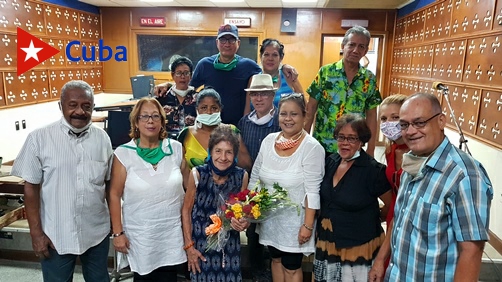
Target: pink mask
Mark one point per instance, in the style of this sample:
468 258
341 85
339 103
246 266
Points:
391 130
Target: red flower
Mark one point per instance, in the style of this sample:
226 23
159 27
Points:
229 214
232 200
223 207
242 195
247 209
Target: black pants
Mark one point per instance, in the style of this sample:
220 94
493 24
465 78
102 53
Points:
163 273
257 256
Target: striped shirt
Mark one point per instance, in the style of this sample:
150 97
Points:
447 202
71 172
252 134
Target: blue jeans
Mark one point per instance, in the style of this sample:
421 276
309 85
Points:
59 268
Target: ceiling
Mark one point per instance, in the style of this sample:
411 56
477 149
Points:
339 4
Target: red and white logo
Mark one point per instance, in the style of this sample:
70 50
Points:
31 51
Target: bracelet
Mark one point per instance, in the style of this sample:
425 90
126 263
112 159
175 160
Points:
308 228
114 235
188 246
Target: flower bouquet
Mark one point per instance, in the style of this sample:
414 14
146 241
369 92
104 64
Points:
255 205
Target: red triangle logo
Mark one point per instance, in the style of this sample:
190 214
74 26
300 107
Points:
31 51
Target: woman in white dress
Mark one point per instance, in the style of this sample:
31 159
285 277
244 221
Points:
295 160
147 175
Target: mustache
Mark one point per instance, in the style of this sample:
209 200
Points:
78 117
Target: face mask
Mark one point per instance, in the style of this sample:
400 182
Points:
263 120
74 129
181 93
208 119
355 156
391 130
412 164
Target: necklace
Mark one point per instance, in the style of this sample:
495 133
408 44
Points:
285 144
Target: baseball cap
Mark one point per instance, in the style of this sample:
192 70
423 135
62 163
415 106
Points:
228 29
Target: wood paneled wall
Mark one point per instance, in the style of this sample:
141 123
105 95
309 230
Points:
56 26
302 49
458 43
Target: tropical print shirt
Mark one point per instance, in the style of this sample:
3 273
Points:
336 96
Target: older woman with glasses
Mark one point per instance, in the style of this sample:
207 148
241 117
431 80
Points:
179 101
295 160
349 233
147 175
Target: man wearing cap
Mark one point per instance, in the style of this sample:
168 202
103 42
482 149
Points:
228 73
254 127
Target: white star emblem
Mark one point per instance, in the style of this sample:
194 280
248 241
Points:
31 52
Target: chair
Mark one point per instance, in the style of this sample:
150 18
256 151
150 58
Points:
118 127
142 86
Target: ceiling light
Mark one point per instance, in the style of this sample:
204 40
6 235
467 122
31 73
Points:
226 1
299 1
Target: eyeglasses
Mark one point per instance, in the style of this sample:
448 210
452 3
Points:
182 73
417 124
352 46
262 94
350 139
224 40
145 118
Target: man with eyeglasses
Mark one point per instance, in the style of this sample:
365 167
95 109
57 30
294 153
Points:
442 209
344 87
66 166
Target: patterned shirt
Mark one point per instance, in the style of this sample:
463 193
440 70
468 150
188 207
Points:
336 96
178 115
252 134
71 172
447 202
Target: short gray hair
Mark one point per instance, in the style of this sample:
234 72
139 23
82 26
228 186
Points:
77 84
356 30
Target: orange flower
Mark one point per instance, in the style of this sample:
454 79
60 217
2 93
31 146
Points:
215 227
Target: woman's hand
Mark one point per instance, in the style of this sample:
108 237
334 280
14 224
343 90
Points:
377 271
304 235
193 256
121 244
239 224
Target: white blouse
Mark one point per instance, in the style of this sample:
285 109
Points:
151 208
301 175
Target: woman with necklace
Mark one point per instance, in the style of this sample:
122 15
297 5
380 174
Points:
394 150
294 160
271 55
349 231
147 176
208 186
195 138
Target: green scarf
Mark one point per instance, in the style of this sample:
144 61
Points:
225 67
152 156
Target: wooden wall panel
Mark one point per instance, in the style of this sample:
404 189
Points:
56 26
463 43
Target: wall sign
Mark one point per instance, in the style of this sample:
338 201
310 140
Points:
239 22
152 21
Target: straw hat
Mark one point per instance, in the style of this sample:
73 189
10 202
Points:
261 82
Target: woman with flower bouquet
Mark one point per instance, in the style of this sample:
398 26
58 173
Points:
294 160
207 185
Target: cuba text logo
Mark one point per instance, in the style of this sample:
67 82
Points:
105 53
32 51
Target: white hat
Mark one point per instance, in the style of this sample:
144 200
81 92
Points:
261 82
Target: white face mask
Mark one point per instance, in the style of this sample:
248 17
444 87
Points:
263 120
73 128
391 130
181 93
208 119
355 156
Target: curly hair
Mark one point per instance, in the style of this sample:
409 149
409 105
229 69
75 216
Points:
224 132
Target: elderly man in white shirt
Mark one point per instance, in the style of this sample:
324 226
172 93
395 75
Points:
66 166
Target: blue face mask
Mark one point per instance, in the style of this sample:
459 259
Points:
355 156
216 170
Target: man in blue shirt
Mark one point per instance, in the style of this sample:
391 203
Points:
442 209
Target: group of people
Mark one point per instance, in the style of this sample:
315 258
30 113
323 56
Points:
191 148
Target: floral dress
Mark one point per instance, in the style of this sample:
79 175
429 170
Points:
219 266
336 96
